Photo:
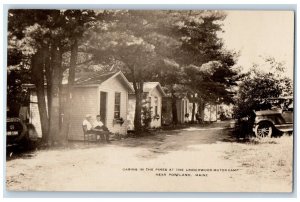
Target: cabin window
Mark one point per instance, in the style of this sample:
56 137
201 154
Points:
117 105
156 105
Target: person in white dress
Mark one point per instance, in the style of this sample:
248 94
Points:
96 128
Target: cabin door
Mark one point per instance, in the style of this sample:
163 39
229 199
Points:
103 103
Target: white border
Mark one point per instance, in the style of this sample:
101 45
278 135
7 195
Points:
260 4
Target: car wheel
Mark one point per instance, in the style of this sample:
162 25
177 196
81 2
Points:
264 130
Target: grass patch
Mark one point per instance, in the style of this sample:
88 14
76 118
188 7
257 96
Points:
267 140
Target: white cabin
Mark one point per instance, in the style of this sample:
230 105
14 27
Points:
153 94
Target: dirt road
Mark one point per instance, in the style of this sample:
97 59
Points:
192 159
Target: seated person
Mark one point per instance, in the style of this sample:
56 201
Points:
103 130
99 125
87 124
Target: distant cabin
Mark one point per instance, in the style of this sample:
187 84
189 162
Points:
183 108
212 112
152 94
96 93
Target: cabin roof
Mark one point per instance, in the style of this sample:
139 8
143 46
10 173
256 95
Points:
150 86
98 78
94 79
89 78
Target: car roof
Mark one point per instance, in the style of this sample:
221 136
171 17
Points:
281 98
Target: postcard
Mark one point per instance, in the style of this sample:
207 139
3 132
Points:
150 100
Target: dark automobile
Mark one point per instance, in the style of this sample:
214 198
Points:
20 132
14 129
278 118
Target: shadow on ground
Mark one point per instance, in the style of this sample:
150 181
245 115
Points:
165 141
159 142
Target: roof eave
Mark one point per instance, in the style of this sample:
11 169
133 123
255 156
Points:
130 88
160 89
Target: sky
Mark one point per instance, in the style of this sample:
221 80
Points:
258 34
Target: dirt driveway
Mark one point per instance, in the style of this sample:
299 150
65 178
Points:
192 159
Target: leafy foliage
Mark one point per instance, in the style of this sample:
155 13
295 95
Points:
180 49
146 116
257 86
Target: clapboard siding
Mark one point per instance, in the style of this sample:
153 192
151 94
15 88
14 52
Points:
84 101
155 123
34 114
182 106
155 93
112 86
131 111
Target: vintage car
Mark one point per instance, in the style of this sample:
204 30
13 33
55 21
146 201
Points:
277 119
19 132
14 129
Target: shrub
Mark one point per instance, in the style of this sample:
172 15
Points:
146 116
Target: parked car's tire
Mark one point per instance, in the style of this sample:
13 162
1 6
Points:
263 129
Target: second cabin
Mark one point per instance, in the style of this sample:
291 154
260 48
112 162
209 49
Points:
152 100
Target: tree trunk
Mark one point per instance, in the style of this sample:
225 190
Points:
201 107
54 110
48 74
61 106
69 89
216 112
138 87
193 112
209 112
38 80
174 110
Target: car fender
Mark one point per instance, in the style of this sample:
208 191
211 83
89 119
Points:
266 121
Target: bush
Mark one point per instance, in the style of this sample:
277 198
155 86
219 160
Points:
243 128
146 117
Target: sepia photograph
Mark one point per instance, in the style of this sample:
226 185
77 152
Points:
149 100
